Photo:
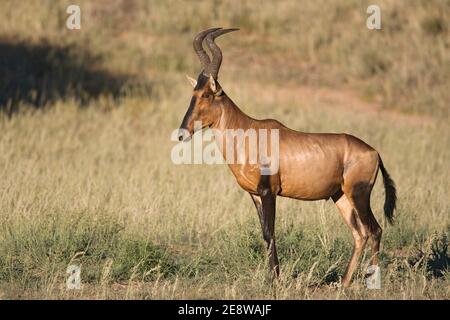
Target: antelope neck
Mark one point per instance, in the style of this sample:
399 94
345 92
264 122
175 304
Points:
231 116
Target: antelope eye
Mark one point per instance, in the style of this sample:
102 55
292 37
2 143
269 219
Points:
206 95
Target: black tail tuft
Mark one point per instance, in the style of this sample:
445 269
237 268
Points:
390 193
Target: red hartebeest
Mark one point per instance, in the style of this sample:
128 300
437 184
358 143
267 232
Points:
312 166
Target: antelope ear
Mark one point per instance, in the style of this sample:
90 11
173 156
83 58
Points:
212 84
192 81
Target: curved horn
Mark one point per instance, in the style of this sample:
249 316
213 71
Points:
214 67
198 48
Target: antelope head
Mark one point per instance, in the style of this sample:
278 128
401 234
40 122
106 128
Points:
207 90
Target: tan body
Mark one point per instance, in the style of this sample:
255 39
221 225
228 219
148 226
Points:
312 166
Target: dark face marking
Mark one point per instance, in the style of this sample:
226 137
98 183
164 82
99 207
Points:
198 103
201 81
188 112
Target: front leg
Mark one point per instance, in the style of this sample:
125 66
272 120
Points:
258 204
265 205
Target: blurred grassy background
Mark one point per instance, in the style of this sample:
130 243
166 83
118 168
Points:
404 66
86 118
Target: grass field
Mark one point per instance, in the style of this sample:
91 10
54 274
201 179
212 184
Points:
85 170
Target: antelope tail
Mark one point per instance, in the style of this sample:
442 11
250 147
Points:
390 193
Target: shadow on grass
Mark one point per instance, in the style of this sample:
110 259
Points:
437 261
38 74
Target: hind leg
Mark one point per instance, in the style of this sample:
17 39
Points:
357 187
375 239
360 200
359 233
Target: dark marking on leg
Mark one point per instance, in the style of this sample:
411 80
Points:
268 204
